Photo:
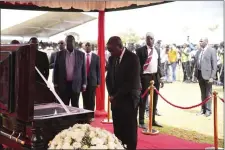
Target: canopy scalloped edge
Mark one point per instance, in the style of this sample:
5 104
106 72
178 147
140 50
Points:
100 5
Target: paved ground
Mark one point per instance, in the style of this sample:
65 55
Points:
184 94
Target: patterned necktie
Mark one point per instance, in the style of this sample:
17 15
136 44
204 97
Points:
87 64
147 62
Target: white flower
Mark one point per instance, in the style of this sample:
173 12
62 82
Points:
67 139
101 147
97 141
92 134
72 138
76 145
111 145
67 146
85 147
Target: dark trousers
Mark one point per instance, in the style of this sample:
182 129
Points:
89 98
186 70
145 81
206 91
69 94
125 125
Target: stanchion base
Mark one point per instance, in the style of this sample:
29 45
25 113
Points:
147 132
106 121
213 148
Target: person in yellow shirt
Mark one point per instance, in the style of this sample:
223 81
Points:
172 57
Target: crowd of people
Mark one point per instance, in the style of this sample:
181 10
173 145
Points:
173 55
76 69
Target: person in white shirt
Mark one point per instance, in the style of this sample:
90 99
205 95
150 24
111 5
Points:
151 69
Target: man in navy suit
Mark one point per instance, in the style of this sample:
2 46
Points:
69 75
93 77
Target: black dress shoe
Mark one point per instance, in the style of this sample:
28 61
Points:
156 124
207 114
142 126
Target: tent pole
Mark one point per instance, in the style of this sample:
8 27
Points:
100 91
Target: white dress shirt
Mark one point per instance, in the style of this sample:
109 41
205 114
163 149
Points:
153 65
121 56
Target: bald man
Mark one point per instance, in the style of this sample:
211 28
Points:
123 84
206 66
61 47
150 61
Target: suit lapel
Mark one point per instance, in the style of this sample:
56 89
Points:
145 52
121 63
92 60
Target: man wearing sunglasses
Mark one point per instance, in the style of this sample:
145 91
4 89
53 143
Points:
206 67
61 45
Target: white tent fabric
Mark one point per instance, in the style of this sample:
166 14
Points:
48 24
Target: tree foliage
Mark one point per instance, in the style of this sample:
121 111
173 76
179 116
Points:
130 36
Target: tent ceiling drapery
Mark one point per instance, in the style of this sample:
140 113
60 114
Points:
75 5
48 24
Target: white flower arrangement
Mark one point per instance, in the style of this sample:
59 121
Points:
84 136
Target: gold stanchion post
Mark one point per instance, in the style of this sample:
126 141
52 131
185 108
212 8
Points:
215 124
150 131
108 120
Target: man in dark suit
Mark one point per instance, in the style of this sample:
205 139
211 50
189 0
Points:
62 46
93 77
123 84
151 69
69 75
41 62
206 67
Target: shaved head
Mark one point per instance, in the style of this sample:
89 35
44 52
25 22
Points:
204 42
115 45
150 39
115 40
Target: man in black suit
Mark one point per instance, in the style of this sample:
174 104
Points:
62 46
149 57
69 74
93 77
41 62
123 84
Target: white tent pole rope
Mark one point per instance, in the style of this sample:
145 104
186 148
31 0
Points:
53 91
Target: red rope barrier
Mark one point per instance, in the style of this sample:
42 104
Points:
145 93
202 103
221 99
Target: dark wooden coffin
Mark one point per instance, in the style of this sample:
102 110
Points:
29 113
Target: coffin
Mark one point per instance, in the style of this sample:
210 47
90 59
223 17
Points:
30 115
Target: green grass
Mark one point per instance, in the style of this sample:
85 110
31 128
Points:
189 135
